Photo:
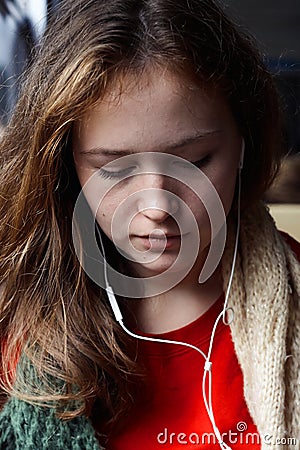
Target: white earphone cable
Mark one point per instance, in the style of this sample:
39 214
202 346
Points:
208 363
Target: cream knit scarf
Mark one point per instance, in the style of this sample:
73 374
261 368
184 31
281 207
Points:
266 327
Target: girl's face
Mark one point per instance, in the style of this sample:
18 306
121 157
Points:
160 113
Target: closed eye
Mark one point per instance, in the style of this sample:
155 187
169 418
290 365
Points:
199 163
116 174
122 173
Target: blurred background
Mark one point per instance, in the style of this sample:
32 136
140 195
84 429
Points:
274 24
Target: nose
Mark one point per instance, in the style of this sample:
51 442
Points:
156 203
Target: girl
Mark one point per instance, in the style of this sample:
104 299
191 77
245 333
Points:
124 102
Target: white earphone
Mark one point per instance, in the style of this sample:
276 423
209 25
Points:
208 364
241 163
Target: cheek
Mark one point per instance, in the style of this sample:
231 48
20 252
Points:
198 208
112 213
205 206
225 186
106 212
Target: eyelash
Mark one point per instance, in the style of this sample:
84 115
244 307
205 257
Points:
118 174
202 162
109 175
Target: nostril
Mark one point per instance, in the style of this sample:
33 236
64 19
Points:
155 214
157 202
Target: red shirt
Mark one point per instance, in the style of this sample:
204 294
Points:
171 413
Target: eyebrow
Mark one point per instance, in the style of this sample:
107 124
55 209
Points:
175 145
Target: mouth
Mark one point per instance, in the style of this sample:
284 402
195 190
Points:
160 241
160 236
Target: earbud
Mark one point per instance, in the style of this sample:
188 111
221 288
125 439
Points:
241 163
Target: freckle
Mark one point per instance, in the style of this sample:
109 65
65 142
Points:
103 214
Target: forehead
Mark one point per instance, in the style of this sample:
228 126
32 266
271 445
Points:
143 113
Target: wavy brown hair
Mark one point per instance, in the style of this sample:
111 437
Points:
50 310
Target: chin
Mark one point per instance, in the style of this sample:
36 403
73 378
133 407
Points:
161 265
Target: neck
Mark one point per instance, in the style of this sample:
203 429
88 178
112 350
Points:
177 307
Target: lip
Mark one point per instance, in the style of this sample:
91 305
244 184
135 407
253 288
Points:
158 235
162 235
159 242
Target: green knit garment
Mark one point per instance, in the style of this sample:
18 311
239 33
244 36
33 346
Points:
24 426
27 427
